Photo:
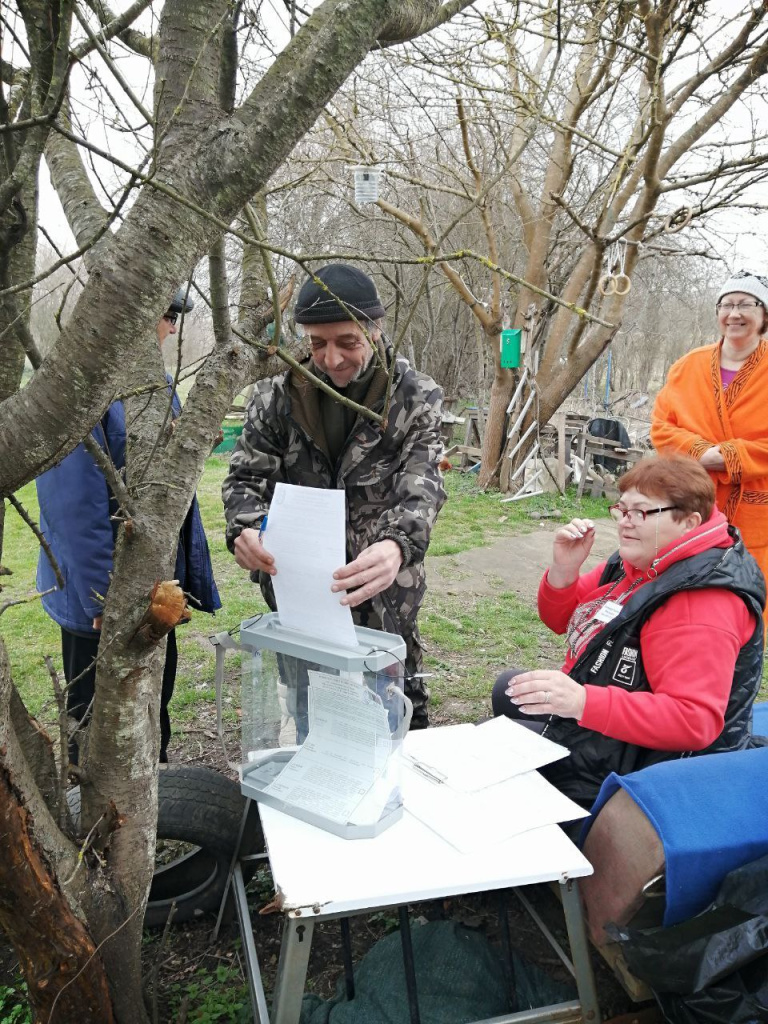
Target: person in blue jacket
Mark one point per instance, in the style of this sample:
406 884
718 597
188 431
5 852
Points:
76 506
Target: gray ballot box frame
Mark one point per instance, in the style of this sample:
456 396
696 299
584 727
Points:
375 651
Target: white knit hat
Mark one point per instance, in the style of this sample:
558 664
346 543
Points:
747 282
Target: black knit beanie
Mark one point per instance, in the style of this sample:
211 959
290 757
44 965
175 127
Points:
354 288
181 301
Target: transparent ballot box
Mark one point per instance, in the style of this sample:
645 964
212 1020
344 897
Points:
322 726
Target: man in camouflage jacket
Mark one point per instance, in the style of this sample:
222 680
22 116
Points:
296 433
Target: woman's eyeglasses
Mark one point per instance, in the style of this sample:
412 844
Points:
742 307
636 515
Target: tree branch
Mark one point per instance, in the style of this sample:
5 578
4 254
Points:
118 25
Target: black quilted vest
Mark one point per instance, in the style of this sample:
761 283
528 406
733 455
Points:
614 658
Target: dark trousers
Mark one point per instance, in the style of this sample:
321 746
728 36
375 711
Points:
502 704
79 655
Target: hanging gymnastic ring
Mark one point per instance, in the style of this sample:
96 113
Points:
678 220
607 284
622 285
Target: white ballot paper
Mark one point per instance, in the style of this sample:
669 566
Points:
344 755
305 534
469 758
474 821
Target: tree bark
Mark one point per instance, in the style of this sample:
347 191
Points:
62 967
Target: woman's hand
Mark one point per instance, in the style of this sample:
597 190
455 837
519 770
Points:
570 550
712 459
547 692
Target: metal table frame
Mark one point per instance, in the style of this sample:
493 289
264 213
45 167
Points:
296 945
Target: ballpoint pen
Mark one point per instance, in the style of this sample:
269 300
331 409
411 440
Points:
262 528
433 774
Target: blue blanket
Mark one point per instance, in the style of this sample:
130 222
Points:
760 719
711 814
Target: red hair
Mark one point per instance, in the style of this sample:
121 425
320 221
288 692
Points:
677 480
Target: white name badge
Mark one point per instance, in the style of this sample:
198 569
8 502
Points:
608 611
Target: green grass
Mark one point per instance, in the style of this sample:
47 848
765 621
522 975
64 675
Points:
218 995
14 1008
28 632
468 642
472 518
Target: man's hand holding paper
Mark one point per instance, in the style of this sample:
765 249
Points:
251 554
305 535
371 572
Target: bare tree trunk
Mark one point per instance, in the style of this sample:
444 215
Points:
494 439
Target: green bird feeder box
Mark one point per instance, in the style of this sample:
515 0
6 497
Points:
510 348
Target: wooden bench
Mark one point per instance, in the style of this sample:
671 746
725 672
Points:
469 456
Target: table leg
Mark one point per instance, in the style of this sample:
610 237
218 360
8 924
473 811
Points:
506 945
346 953
253 971
577 938
409 965
235 859
292 970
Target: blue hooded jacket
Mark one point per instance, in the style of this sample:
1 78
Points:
75 508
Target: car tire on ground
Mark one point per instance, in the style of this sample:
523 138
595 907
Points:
199 816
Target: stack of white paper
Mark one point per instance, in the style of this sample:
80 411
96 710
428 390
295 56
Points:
476 786
472 757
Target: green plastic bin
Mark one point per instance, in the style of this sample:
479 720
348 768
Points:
232 432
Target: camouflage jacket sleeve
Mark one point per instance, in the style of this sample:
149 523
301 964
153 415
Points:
255 467
418 493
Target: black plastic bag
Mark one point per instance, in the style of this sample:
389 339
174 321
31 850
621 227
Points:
739 998
713 968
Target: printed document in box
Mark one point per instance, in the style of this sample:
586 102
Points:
344 755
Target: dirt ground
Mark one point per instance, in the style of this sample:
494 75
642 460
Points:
515 564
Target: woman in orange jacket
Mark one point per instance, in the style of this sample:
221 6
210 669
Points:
714 407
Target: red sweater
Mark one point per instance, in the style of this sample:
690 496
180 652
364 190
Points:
689 648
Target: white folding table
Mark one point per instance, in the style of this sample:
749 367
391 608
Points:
319 876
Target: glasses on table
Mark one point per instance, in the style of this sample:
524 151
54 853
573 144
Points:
637 515
171 317
741 307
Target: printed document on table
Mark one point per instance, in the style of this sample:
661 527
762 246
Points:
344 755
474 821
469 758
306 535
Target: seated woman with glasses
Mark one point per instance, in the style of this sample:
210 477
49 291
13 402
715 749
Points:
665 638
713 407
